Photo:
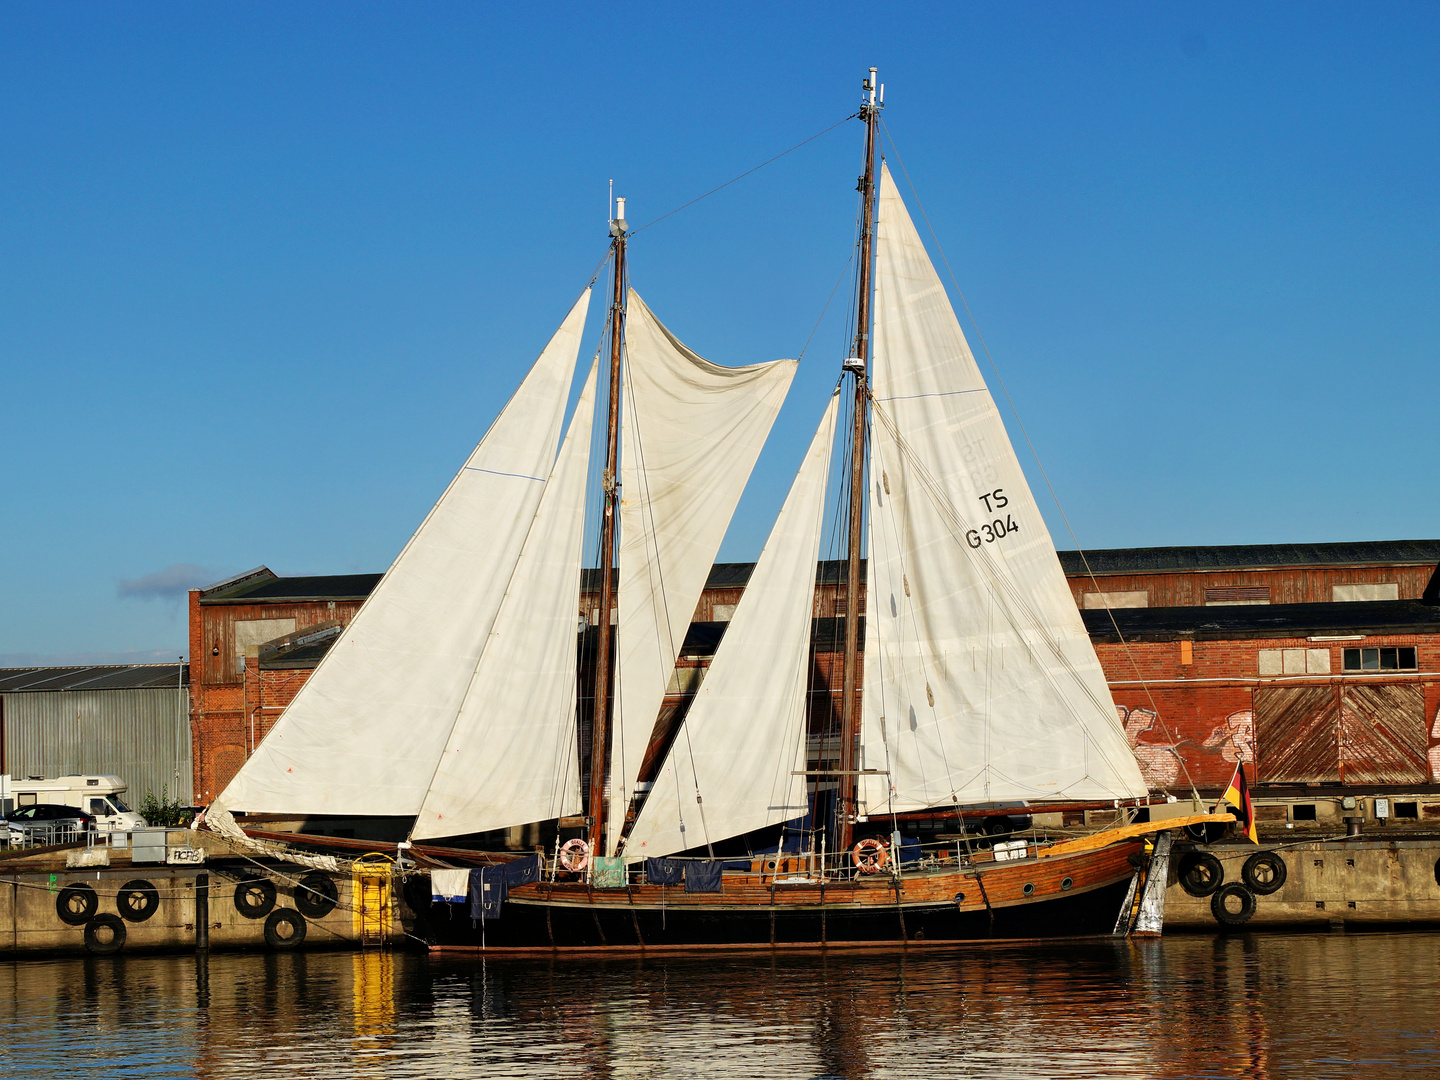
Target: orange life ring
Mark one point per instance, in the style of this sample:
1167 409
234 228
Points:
871 855
575 854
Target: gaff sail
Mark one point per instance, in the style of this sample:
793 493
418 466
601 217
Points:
690 433
743 740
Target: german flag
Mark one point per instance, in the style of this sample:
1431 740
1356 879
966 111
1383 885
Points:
1238 796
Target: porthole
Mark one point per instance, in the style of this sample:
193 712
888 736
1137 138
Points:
960 896
1029 889
1066 884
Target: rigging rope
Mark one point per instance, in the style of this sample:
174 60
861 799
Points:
744 174
1154 708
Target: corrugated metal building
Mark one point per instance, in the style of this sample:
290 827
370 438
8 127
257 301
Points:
131 721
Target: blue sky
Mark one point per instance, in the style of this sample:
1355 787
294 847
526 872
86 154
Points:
268 271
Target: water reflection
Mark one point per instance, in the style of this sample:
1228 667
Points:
1241 1006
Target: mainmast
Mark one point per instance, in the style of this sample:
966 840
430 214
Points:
600 728
870 108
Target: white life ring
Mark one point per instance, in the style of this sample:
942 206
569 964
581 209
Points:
871 855
575 854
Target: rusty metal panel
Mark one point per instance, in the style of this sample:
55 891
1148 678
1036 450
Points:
142 736
1297 734
1383 739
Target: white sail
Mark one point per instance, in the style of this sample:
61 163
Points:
364 733
691 431
980 680
511 757
743 740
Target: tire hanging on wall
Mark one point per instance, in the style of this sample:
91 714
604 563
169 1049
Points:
76 904
1223 914
1264 873
137 900
284 929
316 895
104 935
254 896
1200 873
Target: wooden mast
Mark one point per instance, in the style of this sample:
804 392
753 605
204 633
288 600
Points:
600 728
856 365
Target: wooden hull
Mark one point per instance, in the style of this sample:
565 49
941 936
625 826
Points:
1063 896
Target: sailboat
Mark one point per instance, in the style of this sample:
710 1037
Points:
453 700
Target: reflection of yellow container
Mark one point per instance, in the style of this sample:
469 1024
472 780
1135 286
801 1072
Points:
374 899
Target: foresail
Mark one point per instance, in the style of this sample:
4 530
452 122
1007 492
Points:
691 431
364 733
512 756
980 681
743 740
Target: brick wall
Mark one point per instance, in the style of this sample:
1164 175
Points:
231 708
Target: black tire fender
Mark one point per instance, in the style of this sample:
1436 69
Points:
104 944
1223 914
285 928
1200 873
316 895
254 896
1264 873
137 900
76 904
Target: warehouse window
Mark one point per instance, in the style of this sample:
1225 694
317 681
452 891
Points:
1388 590
1397 659
1092 601
1294 661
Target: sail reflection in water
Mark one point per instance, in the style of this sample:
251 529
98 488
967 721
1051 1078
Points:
1252 1006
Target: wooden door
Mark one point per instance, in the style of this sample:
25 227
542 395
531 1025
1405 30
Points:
1297 734
1382 734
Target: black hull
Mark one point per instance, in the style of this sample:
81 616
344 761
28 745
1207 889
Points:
565 927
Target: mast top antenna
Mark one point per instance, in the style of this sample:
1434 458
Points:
875 89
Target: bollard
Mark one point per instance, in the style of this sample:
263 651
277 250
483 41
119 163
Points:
1352 825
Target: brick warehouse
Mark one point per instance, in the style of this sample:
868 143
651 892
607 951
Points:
1318 664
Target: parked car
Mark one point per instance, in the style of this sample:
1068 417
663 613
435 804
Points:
45 823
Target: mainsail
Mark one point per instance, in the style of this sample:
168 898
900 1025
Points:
743 740
691 431
512 756
364 733
980 681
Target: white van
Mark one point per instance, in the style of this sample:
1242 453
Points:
101 796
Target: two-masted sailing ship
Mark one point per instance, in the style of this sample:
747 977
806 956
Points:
453 699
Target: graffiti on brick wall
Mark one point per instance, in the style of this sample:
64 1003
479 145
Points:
1230 739
1234 737
1159 760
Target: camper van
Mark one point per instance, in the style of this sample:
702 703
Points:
100 796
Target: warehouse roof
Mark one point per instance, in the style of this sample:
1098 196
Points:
267 588
261 585
1369 618
95 677
1252 557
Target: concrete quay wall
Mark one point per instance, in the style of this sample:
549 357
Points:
47 908
1360 882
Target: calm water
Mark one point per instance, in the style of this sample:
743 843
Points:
1245 1006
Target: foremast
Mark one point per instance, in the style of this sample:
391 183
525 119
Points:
610 482
856 366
